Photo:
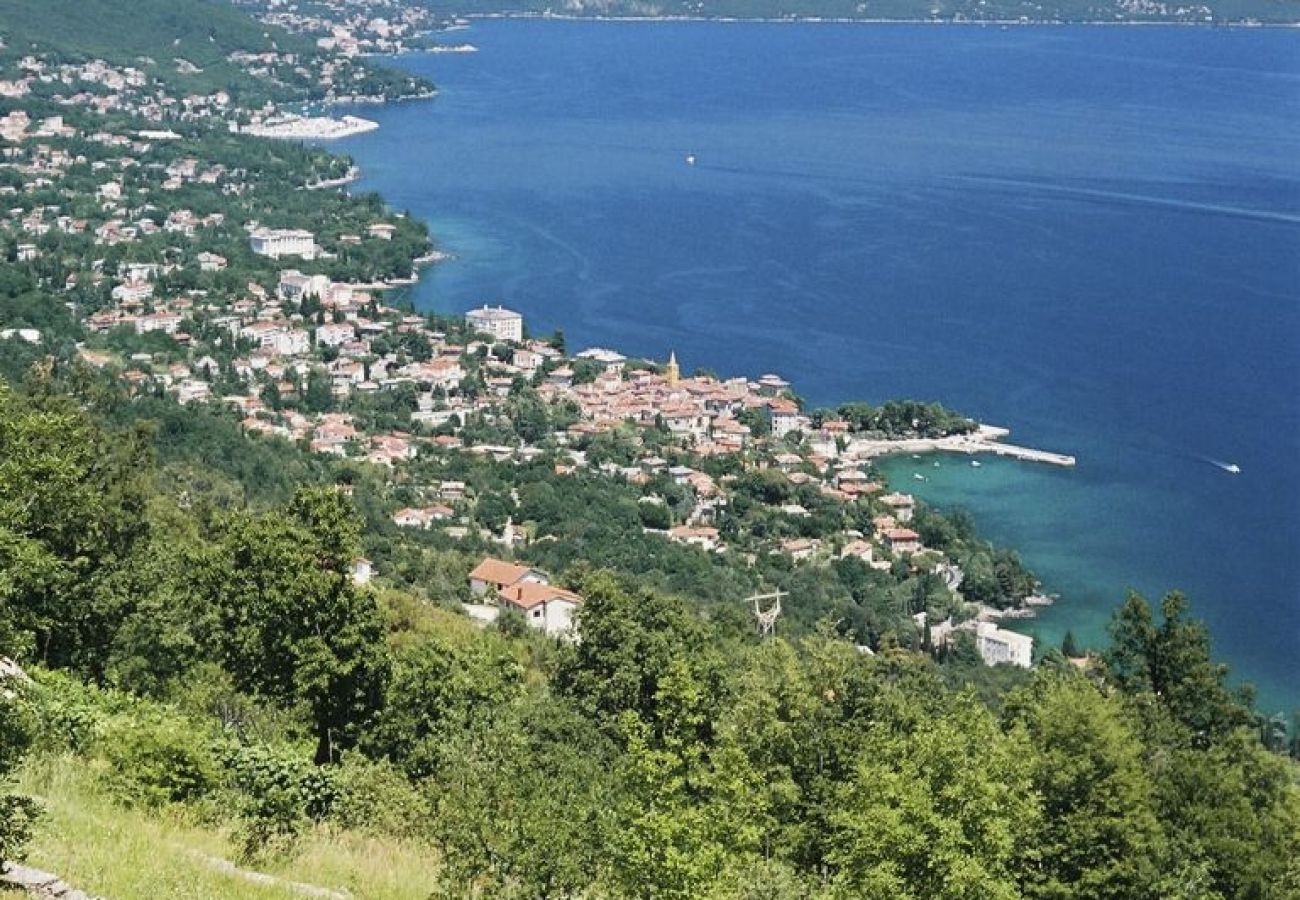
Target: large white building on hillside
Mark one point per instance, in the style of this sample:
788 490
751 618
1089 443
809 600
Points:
997 645
503 324
278 242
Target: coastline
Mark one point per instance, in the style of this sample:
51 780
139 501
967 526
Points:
834 20
1120 570
353 175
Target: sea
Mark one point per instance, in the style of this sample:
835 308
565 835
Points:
1089 235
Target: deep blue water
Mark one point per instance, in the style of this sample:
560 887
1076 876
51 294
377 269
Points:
1090 235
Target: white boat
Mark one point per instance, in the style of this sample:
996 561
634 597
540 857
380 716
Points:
918 476
975 463
690 159
1232 468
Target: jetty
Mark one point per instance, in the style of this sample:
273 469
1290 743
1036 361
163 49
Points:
985 439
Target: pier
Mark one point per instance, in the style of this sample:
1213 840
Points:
986 439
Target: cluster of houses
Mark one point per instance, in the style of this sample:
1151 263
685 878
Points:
311 330
353 27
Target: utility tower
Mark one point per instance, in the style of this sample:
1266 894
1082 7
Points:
767 617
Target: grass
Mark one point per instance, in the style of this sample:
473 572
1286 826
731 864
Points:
105 849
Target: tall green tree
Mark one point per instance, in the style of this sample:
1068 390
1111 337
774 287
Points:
941 810
632 644
523 804
1169 664
290 624
1098 836
72 512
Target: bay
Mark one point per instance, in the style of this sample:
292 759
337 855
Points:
1088 234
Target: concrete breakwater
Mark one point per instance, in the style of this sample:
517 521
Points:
985 439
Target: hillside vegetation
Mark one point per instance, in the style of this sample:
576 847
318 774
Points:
217 665
1213 11
185 45
151 35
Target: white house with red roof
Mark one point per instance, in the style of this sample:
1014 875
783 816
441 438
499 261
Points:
544 606
528 590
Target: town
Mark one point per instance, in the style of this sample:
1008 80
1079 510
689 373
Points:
190 277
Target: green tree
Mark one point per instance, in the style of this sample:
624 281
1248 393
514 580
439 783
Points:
1099 836
522 805
72 512
442 686
17 812
1232 812
940 809
290 624
1170 664
632 644
319 394
1070 646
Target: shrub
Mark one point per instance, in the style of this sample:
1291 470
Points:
377 798
158 762
281 793
17 813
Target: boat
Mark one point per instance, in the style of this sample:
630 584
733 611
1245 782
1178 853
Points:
936 465
918 476
1232 468
975 463
690 159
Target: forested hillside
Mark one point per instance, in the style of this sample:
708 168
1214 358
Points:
1210 11
189 46
213 657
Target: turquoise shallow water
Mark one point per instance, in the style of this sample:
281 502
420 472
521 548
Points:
1090 235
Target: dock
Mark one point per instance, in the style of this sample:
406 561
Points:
986 439
1028 454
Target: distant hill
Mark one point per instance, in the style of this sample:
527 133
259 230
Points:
185 43
1213 12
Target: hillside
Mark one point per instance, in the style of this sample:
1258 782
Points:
299 581
152 35
191 46
1211 11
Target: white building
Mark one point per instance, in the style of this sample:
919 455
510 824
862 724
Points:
503 324
544 606
335 334
211 262
362 571
275 339
278 242
168 323
294 285
997 645
785 418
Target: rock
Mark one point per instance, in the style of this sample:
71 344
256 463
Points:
45 885
10 669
